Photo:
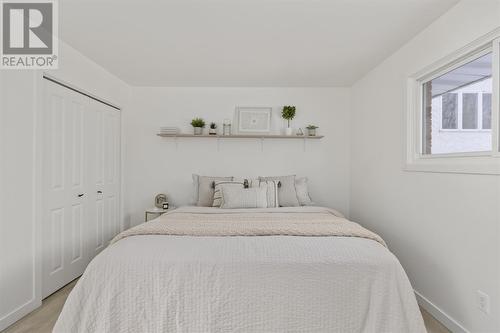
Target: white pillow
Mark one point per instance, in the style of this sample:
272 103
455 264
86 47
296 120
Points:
218 199
303 192
287 192
238 197
272 190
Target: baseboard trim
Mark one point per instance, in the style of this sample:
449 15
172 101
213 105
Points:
440 315
18 313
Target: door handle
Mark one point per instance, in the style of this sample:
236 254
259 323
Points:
99 192
81 195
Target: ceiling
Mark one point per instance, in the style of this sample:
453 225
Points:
243 42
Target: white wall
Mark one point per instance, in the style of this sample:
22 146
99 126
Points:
156 165
19 282
444 228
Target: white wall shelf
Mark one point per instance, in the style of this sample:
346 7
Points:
241 136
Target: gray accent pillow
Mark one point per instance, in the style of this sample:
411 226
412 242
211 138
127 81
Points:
239 197
303 192
286 192
203 187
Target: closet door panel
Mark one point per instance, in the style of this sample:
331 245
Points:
105 165
112 174
64 188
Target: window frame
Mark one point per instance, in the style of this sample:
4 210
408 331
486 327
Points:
487 162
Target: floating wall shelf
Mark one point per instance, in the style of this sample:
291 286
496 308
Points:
241 136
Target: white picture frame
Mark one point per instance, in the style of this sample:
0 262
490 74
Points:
254 119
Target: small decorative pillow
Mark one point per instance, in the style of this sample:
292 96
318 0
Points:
272 190
217 189
239 197
303 192
204 189
286 192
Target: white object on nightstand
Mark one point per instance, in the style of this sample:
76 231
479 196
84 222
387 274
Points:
155 211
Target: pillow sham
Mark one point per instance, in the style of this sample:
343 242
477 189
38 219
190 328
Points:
303 192
239 197
271 188
203 188
286 192
218 199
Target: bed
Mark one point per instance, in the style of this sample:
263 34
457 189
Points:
198 269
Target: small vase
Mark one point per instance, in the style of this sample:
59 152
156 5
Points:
311 132
198 130
289 131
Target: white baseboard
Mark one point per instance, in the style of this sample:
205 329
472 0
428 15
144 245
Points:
440 315
18 313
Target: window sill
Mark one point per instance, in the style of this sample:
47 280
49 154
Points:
479 165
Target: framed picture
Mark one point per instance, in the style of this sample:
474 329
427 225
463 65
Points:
254 119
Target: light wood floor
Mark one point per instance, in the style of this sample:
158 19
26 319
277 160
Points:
42 320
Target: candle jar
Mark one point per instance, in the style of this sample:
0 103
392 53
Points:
226 127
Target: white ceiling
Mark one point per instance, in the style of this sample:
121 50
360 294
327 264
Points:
243 42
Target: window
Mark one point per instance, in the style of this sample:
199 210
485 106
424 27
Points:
486 111
450 111
453 111
456 104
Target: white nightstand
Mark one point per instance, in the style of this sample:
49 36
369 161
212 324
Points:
155 211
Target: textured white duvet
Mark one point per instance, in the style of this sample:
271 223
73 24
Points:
163 283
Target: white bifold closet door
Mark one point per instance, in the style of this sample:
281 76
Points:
80 185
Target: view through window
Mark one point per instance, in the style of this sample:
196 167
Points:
457 109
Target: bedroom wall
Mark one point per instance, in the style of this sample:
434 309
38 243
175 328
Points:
19 282
444 228
160 165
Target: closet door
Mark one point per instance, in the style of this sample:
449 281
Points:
104 160
81 183
64 184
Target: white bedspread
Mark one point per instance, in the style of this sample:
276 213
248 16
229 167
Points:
160 283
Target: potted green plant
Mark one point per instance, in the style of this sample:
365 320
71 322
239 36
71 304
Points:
198 125
288 114
311 130
213 129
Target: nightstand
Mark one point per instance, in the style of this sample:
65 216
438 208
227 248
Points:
155 211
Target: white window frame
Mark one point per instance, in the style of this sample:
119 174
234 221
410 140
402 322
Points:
474 162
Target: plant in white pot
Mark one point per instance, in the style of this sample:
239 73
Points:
198 124
213 129
311 130
288 114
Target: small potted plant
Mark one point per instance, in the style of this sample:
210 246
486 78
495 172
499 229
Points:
213 129
288 114
311 130
198 125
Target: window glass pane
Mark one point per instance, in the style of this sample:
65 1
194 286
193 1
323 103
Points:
469 111
451 109
486 111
